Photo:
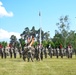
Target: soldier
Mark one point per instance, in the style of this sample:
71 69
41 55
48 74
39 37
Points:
45 52
61 51
51 51
30 54
10 50
25 51
57 52
31 49
1 51
54 52
70 51
75 52
36 53
41 54
15 51
20 51
4 52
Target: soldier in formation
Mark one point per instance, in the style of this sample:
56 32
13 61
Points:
30 52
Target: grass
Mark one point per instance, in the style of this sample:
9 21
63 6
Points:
48 66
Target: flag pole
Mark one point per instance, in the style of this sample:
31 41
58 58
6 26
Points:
40 26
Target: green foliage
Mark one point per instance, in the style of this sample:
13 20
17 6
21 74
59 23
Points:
35 43
4 44
22 42
62 36
36 33
45 43
71 39
13 38
63 27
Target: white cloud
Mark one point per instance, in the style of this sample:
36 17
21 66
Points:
6 35
1 3
3 11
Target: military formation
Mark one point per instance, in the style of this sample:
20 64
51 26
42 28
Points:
30 53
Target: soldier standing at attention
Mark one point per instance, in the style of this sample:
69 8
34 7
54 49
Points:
10 50
4 50
1 52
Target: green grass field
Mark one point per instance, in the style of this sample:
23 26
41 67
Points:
48 66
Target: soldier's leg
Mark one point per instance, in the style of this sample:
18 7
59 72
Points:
24 56
57 56
41 56
14 55
68 55
32 57
61 55
2 55
29 56
20 55
51 55
5 55
46 55
10 54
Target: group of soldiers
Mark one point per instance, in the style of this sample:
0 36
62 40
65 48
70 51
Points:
38 52
8 51
29 52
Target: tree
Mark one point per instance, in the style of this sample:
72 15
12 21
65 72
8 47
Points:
36 33
57 39
33 32
22 42
46 36
13 40
72 39
4 44
25 33
63 27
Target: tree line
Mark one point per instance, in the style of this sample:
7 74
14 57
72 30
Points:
63 36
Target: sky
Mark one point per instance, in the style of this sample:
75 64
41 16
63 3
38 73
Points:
16 15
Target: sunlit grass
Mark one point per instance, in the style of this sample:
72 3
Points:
49 66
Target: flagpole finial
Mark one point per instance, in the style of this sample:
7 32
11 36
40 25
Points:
39 13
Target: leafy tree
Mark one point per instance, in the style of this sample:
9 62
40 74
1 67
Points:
13 40
22 42
63 27
72 39
36 33
35 43
33 32
46 35
4 44
58 39
45 43
25 33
